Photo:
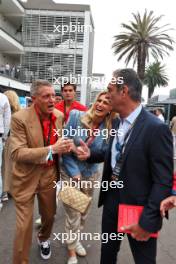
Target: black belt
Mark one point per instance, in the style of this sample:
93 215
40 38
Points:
1 134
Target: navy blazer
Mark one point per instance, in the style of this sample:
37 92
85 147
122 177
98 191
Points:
147 169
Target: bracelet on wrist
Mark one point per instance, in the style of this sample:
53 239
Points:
50 154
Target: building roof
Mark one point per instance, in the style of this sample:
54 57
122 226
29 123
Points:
50 5
165 102
11 7
169 101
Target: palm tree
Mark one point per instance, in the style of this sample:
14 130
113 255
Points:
143 37
155 75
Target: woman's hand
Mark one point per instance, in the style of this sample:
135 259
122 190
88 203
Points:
74 148
83 152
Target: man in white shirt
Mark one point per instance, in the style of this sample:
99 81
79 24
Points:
140 156
5 117
159 114
125 125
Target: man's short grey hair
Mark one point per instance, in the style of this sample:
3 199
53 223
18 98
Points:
37 84
131 79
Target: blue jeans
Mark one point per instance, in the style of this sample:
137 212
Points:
1 148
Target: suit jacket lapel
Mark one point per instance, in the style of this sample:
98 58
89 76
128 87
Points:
135 132
115 125
35 128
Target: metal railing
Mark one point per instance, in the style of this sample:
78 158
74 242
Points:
6 26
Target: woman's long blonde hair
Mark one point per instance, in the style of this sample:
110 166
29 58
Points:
87 119
13 100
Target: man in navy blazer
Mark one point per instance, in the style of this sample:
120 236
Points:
145 166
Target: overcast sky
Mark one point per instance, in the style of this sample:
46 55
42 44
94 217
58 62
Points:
108 16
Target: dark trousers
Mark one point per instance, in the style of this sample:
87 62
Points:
143 252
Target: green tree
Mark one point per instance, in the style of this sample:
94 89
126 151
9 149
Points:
155 75
143 37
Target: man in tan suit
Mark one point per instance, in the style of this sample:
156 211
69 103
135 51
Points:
34 151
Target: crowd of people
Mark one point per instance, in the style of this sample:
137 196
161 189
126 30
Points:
35 154
12 71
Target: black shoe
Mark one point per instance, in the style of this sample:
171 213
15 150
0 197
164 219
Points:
4 197
45 249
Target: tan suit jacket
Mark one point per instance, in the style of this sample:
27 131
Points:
29 154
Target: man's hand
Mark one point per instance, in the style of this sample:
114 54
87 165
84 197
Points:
167 204
137 232
62 146
74 148
83 152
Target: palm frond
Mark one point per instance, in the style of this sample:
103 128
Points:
144 34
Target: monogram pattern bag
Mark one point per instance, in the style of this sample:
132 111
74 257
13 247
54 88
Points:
74 198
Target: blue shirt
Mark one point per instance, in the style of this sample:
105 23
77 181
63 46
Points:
124 126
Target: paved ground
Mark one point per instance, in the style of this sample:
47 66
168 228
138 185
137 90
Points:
166 245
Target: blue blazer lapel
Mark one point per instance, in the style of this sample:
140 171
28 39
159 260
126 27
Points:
115 125
135 132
